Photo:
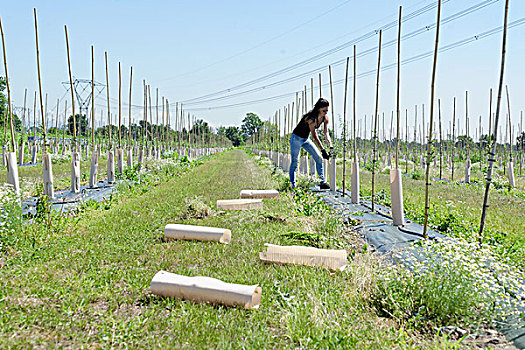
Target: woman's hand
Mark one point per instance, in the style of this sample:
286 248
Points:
325 154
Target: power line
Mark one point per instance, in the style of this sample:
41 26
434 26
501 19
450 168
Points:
262 43
412 59
410 35
331 51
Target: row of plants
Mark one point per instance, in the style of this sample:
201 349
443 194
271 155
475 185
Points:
451 283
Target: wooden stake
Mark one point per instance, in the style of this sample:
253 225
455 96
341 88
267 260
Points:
344 123
354 104
376 119
72 94
65 124
44 150
9 108
453 138
509 120
398 89
56 122
93 97
119 107
107 95
432 91
129 105
440 143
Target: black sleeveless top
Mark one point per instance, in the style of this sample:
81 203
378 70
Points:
303 129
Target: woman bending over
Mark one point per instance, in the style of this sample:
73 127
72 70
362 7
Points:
308 124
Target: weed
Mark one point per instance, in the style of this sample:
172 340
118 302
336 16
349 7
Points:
305 238
197 209
417 174
131 174
10 220
308 204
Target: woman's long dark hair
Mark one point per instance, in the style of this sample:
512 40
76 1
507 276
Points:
314 113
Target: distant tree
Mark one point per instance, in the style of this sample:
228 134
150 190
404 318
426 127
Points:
200 127
251 125
234 134
3 97
81 122
520 140
463 141
3 108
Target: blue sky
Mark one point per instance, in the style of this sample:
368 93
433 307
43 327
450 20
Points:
188 49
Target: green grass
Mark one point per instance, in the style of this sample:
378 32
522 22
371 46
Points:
83 280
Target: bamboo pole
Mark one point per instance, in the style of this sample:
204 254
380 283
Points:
354 104
107 99
398 88
64 129
150 116
496 120
396 181
509 120
406 140
333 157
93 98
432 92
119 107
129 105
440 142
376 116
9 107
44 150
157 122
453 138
56 123
312 90
344 123
75 146
22 143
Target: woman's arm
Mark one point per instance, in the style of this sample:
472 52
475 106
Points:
314 135
326 133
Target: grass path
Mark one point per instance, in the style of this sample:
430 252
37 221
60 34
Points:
87 285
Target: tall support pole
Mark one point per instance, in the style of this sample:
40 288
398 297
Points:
93 172
111 155
344 124
130 146
492 152
376 120
467 141
46 159
429 147
355 162
120 156
72 94
75 155
9 107
396 184
11 162
56 124
453 138
406 140
22 137
333 157
440 142
93 97
510 165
